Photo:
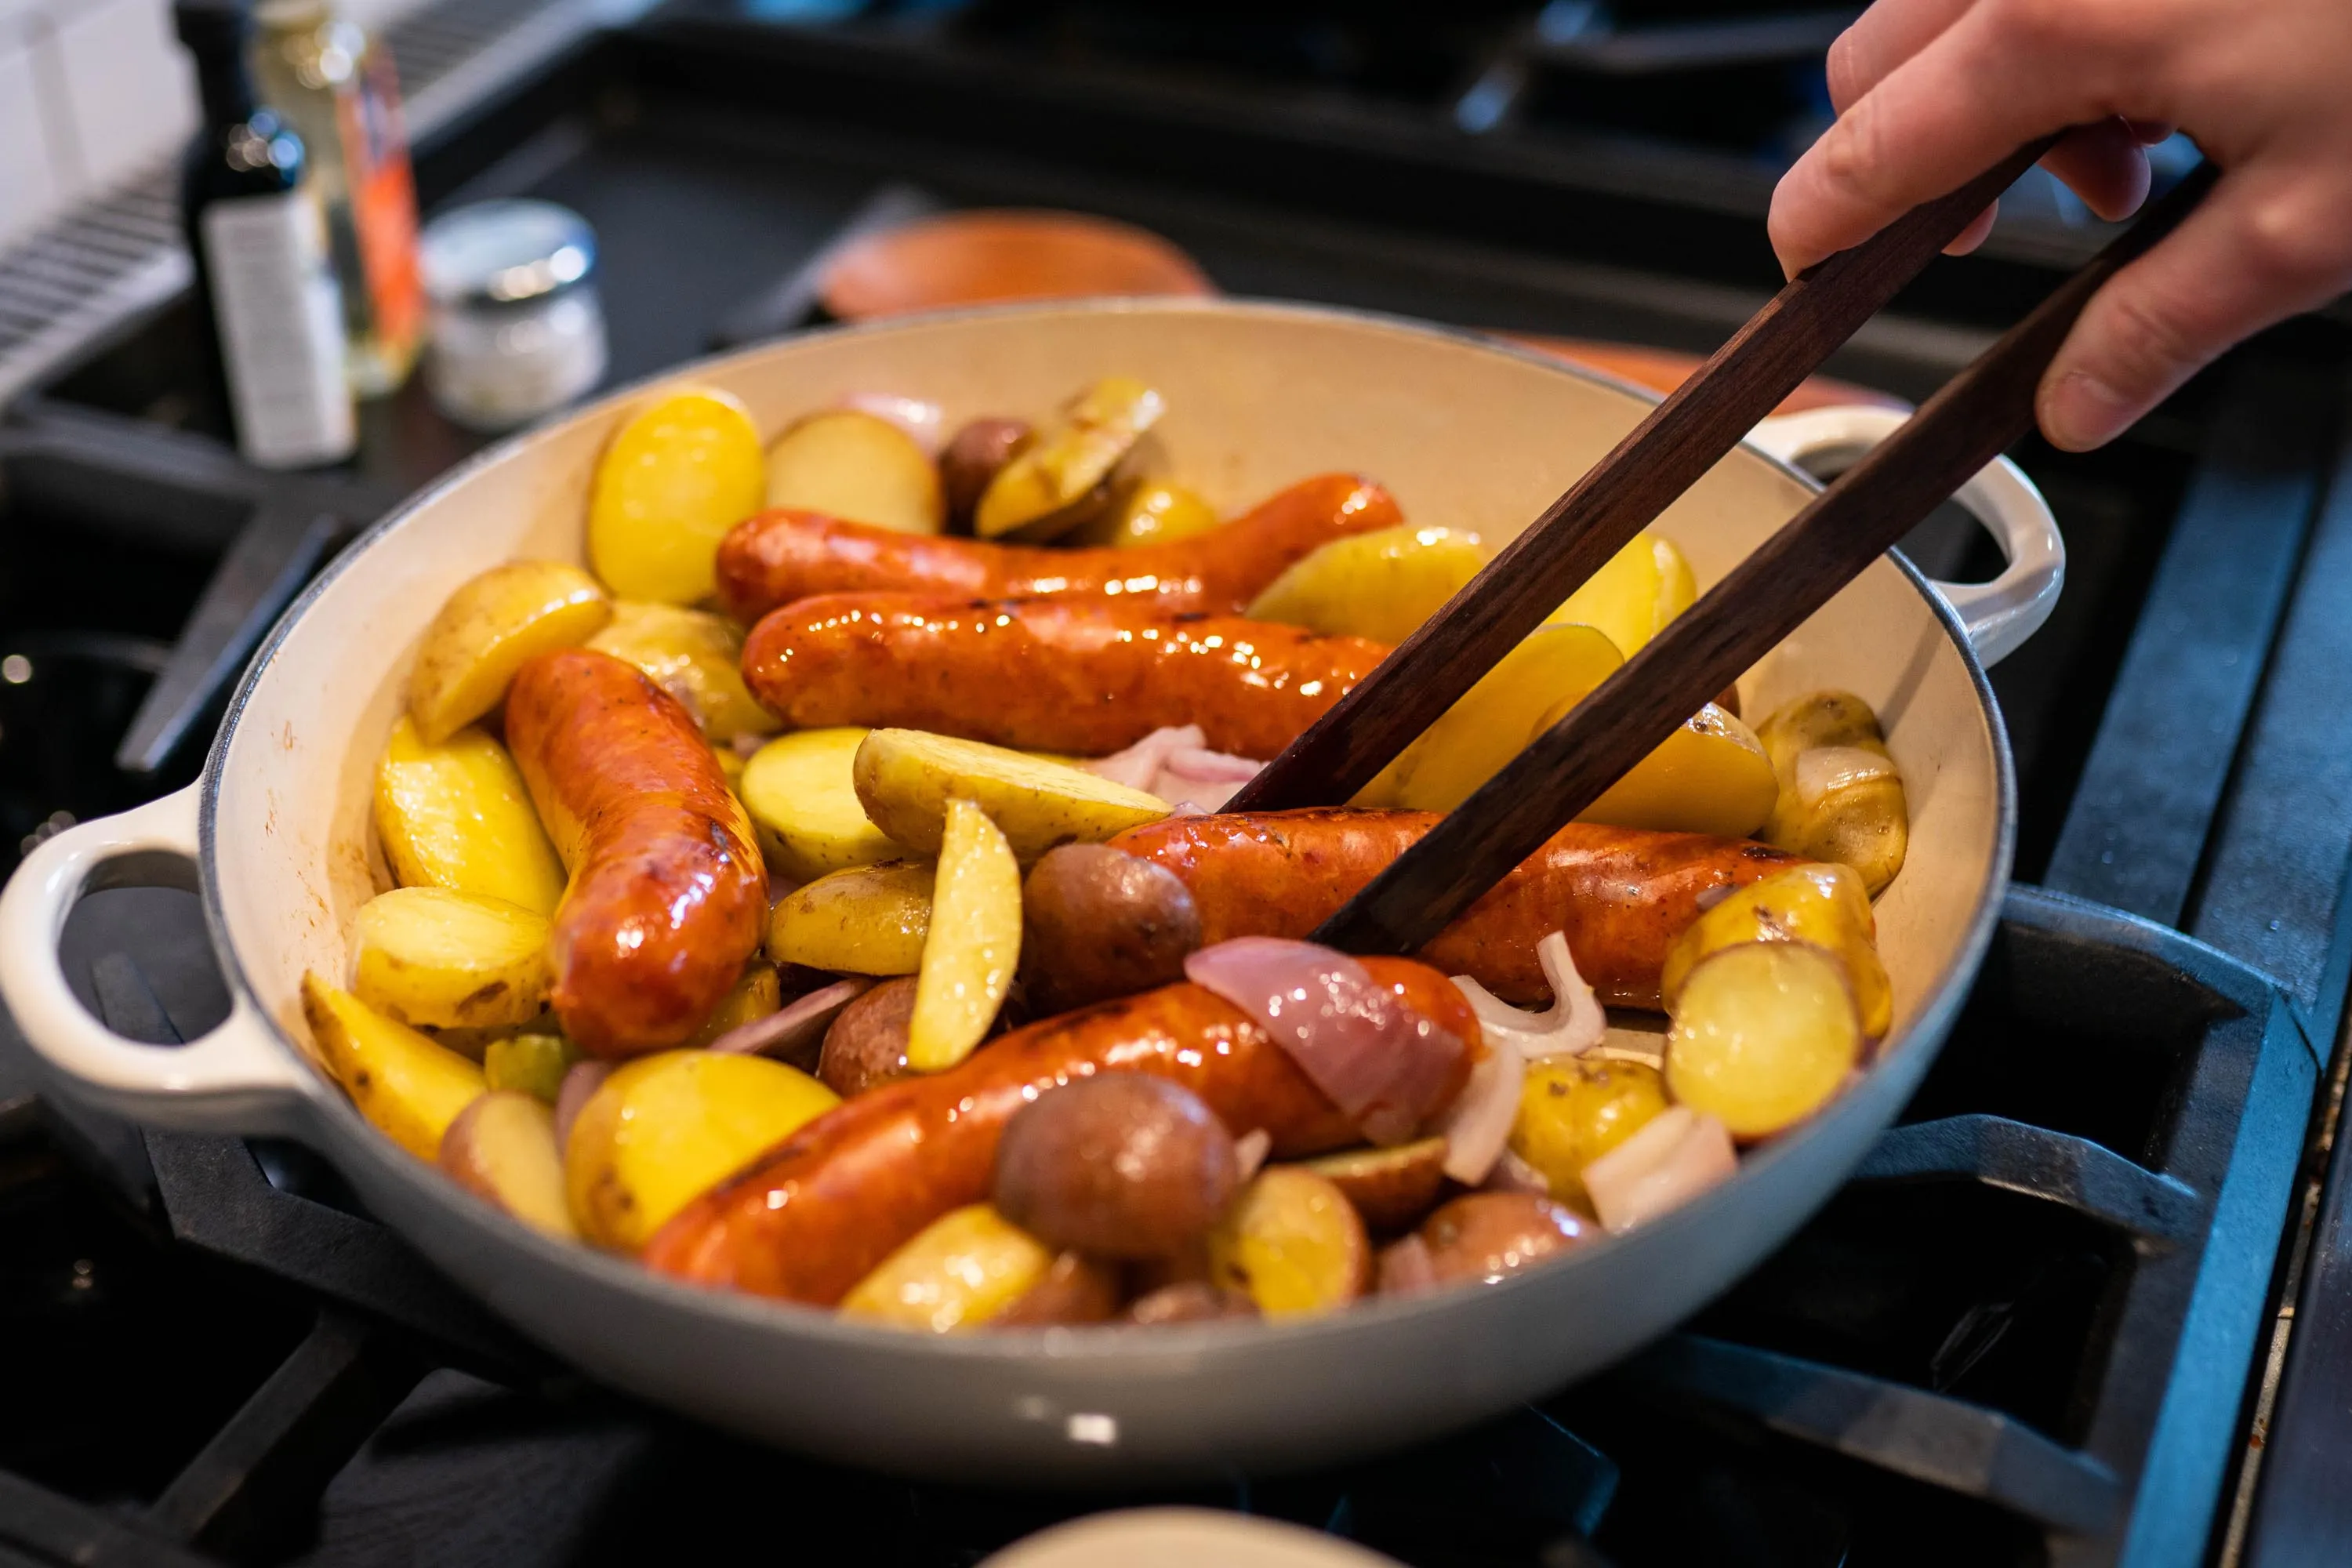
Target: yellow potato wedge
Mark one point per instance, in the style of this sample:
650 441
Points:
683 470
1554 668
905 779
1641 588
1709 776
1823 905
487 629
859 467
1573 1110
441 958
1147 512
457 815
1380 585
1764 1034
801 792
533 1064
870 920
1058 480
757 993
1293 1244
408 1087
502 1148
665 1128
973 945
1840 793
963 1269
693 655
1390 1188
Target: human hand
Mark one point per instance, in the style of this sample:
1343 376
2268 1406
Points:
1930 93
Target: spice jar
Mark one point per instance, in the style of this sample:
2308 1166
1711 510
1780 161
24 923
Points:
518 329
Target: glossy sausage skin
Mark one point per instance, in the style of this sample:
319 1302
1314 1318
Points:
823 1208
779 556
1081 676
1622 895
667 895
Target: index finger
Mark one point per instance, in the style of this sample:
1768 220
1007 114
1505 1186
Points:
1882 38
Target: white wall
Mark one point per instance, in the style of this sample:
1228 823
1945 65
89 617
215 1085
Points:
89 91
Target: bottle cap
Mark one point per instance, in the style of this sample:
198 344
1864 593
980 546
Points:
505 252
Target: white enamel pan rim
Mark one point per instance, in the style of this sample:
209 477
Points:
349 1133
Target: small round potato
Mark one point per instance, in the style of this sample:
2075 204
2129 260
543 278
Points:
867 1046
1103 923
970 459
1481 1237
1573 1110
1120 1164
1190 1301
1076 1289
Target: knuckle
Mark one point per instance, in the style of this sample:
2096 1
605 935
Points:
1845 71
1854 158
2145 337
2293 248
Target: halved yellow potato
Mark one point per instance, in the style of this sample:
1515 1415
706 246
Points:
1057 481
1380 585
869 920
966 1266
693 655
905 779
1293 1244
1764 1034
502 1148
441 958
683 470
973 945
757 993
458 815
1573 1110
533 1064
802 797
1635 594
1390 1188
410 1088
662 1129
1711 776
1840 795
859 467
1150 512
487 629
1823 905
1555 668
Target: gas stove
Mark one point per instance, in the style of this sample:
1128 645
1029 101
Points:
2086 1304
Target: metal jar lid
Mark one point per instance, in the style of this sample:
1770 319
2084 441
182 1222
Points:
505 253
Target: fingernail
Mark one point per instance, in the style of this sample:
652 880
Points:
2078 411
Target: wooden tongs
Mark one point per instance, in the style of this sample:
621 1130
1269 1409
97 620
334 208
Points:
1959 430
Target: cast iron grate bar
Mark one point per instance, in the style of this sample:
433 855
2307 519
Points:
1931 1437
2035 1161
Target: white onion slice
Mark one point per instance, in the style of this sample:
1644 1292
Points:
1477 1124
794 1025
1194 776
1250 1150
924 421
1676 1156
1575 1023
1513 1175
1382 1064
1138 766
585 1080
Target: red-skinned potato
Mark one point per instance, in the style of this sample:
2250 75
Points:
970 459
1392 1188
1481 1237
865 1047
502 1148
1190 1301
1100 923
1076 1289
1115 1165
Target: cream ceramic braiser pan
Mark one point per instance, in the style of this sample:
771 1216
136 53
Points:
1466 434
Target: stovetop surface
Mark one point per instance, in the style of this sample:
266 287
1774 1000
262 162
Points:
2061 1272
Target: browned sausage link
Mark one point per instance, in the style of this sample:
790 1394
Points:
1085 675
779 556
823 1208
667 895
1622 895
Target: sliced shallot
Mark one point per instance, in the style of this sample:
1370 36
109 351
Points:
1382 1064
1477 1125
1676 1156
585 1080
1138 766
923 421
794 1025
1406 1266
1575 1023
1513 1175
1194 775
1250 1150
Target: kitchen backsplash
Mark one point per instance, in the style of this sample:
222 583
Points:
92 92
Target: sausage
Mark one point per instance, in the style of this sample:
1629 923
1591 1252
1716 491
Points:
667 895
819 1211
1080 676
1622 895
779 556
